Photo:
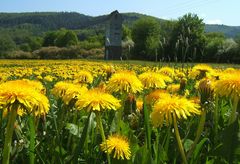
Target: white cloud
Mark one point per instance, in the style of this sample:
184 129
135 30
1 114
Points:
165 17
214 21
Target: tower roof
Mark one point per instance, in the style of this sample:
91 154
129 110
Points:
114 13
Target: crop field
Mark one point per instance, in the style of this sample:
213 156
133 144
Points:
96 112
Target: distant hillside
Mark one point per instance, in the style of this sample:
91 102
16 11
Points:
47 20
39 22
229 31
52 20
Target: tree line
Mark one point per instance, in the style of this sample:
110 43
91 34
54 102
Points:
182 40
57 44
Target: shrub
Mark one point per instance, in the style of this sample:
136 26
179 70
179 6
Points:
20 55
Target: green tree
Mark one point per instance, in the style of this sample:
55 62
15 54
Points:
214 42
66 38
127 45
6 45
167 28
152 46
145 31
25 47
31 43
126 33
127 42
35 43
237 56
228 51
97 38
60 38
237 39
188 38
49 38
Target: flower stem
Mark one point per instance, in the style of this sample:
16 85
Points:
99 122
32 139
233 115
119 118
199 132
158 149
215 118
180 146
9 132
147 126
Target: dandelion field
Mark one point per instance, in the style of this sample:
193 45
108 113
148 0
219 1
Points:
102 112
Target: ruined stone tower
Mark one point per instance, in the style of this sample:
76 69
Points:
113 39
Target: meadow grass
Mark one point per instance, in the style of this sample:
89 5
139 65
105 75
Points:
96 111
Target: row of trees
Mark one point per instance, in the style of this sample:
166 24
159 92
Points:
147 39
181 41
25 45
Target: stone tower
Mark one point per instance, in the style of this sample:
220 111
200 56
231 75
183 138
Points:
113 39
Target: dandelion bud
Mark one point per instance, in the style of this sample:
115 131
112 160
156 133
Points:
109 70
183 83
139 106
133 121
202 74
129 105
205 91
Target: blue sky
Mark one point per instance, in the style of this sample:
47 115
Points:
212 11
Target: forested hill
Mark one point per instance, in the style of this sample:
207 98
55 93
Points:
38 22
46 20
229 31
56 20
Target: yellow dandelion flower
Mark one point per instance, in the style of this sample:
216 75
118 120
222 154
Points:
83 77
195 99
21 112
202 70
193 74
155 95
41 104
228 87
165 108
229 75
60 88
152 80
203 67
26 98
3 77
34 84
118 146
139 105
97 100
124 82
229 70
73 92
102 86
186 92
167 71
166 78
180 75
109 70
173 88
48 78
39 77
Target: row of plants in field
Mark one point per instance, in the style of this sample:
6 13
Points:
89 112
